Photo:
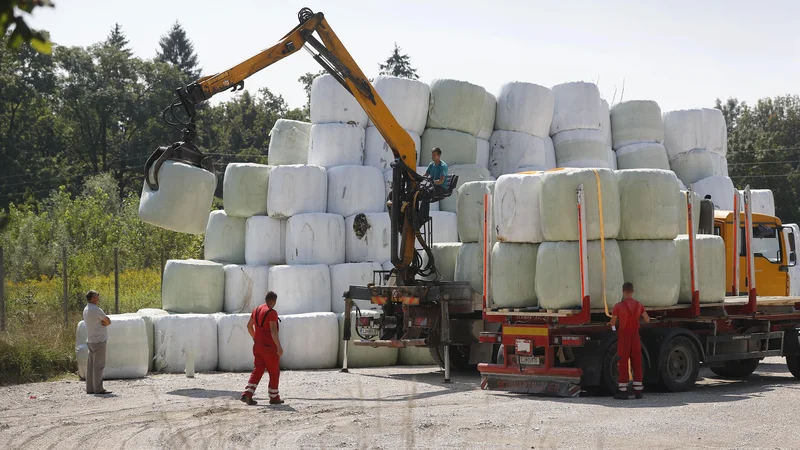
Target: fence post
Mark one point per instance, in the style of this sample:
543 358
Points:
64 276
2 293
116 281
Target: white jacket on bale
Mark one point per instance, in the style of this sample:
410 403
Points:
445 256
694 165
288 142
457 147
331 103
126 349
525 107
408 100
297 189
636 122
377 152
581 148
484 151
352 274
513 275
559 213
762 201
367 237
315 238
489 114
445 227
466 174
456 105
654 269
245 288
336 144
225 238
355 189
265 241
175 335
309 341
301 289
576 107
182 201
244 191
193 286
691 129
511 150
648 204
558 280
470 209
358 356
683 212
235 346
720 189
605 122
645 155
710 257
516 206
469 265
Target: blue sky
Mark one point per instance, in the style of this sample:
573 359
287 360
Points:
682 54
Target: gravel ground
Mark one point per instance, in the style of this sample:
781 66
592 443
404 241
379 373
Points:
395 407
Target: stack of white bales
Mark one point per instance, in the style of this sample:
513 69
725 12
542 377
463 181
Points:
577 128
469 260
288 142
637 131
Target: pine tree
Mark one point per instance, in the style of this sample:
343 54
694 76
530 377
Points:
399 65
118 40
177 49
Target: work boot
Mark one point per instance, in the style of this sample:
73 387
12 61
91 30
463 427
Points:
621 395
276 401
639 395
249 400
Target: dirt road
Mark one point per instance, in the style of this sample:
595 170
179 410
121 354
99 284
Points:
395 408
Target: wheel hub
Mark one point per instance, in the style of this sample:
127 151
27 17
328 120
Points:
678 364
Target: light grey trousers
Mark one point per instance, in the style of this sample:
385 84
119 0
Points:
94 368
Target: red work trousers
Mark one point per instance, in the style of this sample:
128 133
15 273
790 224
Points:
265 358
629 347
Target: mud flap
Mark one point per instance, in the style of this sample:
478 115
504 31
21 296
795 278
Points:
523 384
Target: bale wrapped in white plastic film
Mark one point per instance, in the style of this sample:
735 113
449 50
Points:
244 191
469 266
720 164
581 148
513 274
297 189
525 107
301 289
559 212
470 209
265 241
686 130
576 107
225 238
516 204
377 152
549 153
645 155
179 334
408 100
358 356
445 227
457 147
636 122
309 341
489 114
710 262
558 281
245 288
720 189
605 122
182 201
612 158
484 150
367 237
126 348
336 144
683 210
466 174
445 256
355 189
694 165
654 269
288 142
456 105
147 315
331 103
235 346
511 150
193 286
351 274
762 200
648 204
315 238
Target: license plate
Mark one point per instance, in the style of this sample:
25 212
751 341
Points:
529 360
368 332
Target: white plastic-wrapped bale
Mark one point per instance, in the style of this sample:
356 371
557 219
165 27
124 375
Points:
456 105
683 208
762 200
469 266
457 147
644 155
489 114
560 217
178 335
581 148
358 356
720 189
126 349
309 341
605 122
512 275
225 238
367 237
182 201
377 152
147 315
301 289
549 153
694 165
687 130
445 227
336 144
723 166
415 356
244 191
558 280
235 346
719 161
445 256
245 287
81 349
511 150
648 204
331 103
470 209
297 189
576 107
484 150
355 189
466 174
654 269
525 107
265 241
288 142
408 100
516 209
710 258
636 122
193 286
315 238
612 158
351 274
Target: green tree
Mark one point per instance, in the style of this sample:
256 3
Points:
399 65
11 19
177 49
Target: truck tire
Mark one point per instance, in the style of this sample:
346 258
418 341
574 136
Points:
793 363
679 365
736 369
459 358
609 378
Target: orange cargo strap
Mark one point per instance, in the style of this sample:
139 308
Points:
602 238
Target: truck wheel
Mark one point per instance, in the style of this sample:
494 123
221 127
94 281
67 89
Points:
679 365
793 362
736 369
610 375
459 358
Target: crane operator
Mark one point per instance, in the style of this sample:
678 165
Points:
437 170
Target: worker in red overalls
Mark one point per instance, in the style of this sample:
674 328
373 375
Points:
629 347
267 351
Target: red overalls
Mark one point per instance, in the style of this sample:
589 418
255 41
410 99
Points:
629 347
265 353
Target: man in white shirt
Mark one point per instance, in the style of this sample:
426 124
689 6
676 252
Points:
96 322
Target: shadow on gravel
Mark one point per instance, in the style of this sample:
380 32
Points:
205 393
